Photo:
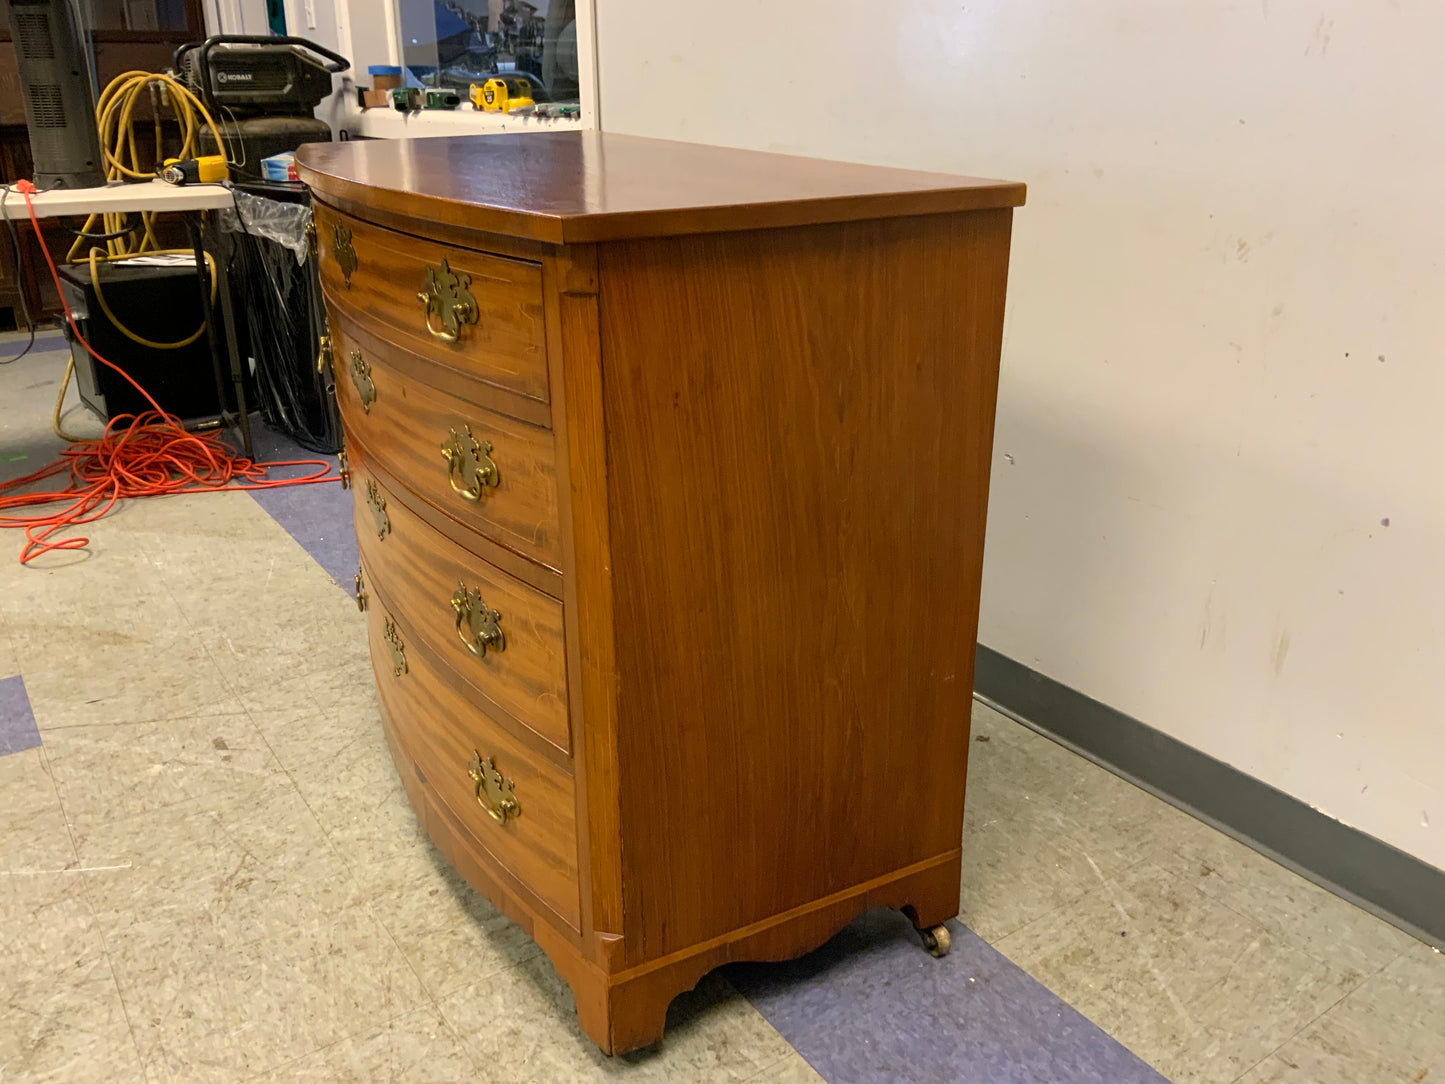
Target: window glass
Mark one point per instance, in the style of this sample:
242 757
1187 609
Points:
455 43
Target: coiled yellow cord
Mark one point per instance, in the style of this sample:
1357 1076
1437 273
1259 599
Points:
115 114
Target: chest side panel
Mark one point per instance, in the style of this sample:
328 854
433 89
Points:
799 428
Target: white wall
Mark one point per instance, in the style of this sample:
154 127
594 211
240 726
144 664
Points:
236 17
1223 364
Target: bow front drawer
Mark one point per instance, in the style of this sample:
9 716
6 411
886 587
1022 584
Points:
518 807
478 313
499 635
490 472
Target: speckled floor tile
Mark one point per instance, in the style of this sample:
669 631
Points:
1389 1031
522 1025
9 661
61 1016
419 1048
54 616
308 737
1042 825
137 675
197 518
1300 913
259 867
1196 989
450 935
109 772
275 661
202 1013
791 1070
341 766
33 832
36 1051
112 567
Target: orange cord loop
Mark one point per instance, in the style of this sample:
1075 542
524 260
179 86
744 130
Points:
145 455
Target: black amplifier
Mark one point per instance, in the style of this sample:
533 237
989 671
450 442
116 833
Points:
160 302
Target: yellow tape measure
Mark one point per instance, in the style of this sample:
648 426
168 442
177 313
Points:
501 93
206 170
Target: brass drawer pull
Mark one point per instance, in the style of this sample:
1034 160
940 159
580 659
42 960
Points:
344 253
395 646
469 461
477 626
361 377
445 295
360 592
377 503
494 794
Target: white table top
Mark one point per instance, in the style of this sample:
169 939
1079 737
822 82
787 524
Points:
154 195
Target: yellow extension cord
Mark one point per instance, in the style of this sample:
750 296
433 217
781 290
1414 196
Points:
114 114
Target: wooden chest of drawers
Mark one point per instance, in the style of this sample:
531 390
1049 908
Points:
670 466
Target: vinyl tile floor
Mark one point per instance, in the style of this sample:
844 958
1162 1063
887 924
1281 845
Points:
209 872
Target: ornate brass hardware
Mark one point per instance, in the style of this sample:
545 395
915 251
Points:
361 377
343 471
477 626
445 295
360 592
344 253
494 794
469 462
395 646
377 503
323 353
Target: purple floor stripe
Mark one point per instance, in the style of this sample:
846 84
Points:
318 517
17 722
44 340
871 1007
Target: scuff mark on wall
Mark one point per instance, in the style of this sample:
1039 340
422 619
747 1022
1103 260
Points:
1280 652
1212 625
1320 39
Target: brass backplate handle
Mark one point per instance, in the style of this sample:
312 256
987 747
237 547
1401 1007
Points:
469 463
395 646
377 503
446 297
361 377
360 592
344 253
494 793
478 627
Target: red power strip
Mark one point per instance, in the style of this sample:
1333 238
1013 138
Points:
139 455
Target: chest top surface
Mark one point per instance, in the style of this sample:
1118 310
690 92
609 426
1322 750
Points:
563 187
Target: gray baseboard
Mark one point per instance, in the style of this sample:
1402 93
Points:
1382 879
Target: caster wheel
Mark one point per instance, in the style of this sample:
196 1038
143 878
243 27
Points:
936 940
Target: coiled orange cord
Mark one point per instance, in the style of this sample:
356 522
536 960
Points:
144 455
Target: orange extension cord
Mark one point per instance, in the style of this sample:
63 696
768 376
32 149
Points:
143 455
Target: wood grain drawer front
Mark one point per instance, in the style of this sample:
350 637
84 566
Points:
407 424
446 734
487 321
499 635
